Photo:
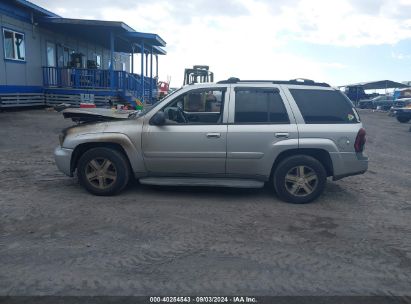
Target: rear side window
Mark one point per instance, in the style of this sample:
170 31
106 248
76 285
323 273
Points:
324 107
259 106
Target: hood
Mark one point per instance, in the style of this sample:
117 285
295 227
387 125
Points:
81 115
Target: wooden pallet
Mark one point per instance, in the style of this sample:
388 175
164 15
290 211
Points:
21 100
50 99
100 101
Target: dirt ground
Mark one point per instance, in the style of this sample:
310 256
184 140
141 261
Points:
56 239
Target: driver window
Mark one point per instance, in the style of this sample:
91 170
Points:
196 107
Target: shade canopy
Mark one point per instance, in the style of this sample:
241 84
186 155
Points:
126 39
381 84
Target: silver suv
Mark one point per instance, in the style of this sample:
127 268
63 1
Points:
292 134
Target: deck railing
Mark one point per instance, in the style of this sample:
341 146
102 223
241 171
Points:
76 78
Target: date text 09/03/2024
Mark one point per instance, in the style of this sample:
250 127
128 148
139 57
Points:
203 299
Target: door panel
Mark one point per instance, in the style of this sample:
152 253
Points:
185 149
193 140
251 149
261 127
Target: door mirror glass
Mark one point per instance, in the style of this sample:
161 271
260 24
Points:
158 119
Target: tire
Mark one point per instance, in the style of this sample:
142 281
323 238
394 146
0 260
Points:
103 171
296 185
403 119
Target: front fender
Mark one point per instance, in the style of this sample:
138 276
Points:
134 155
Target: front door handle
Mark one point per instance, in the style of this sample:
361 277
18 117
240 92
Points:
213 135
282 135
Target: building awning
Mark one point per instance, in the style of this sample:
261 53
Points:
376 85
98 31
37 10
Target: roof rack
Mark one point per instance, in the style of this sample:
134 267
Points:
298 81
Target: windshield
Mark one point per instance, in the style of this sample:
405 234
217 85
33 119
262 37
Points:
150 107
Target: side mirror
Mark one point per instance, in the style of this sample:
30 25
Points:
158 119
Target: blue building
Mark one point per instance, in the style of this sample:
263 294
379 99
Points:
48 59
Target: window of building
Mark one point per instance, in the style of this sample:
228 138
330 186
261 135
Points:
14 46
51 54
66 56
84 62
259 106
324 106
98 61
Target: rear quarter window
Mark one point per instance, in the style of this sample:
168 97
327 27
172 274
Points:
324 107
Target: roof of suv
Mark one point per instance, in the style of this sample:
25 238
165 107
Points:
299 81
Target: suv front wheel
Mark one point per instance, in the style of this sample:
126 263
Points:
103 171
299 179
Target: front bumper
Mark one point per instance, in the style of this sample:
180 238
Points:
348 164
62 156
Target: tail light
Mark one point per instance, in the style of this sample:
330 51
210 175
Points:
360 141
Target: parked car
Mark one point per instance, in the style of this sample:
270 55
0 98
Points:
292 134
383 102
399 104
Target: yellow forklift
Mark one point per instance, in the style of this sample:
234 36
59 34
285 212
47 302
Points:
198 74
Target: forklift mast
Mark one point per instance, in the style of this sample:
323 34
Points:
198 74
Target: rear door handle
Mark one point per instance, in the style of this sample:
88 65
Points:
282 135
213 135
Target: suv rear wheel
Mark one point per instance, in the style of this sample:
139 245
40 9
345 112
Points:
103 171
299 179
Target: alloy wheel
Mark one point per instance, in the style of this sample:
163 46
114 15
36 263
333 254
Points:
101 173
301 181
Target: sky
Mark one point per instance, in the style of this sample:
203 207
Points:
334 41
